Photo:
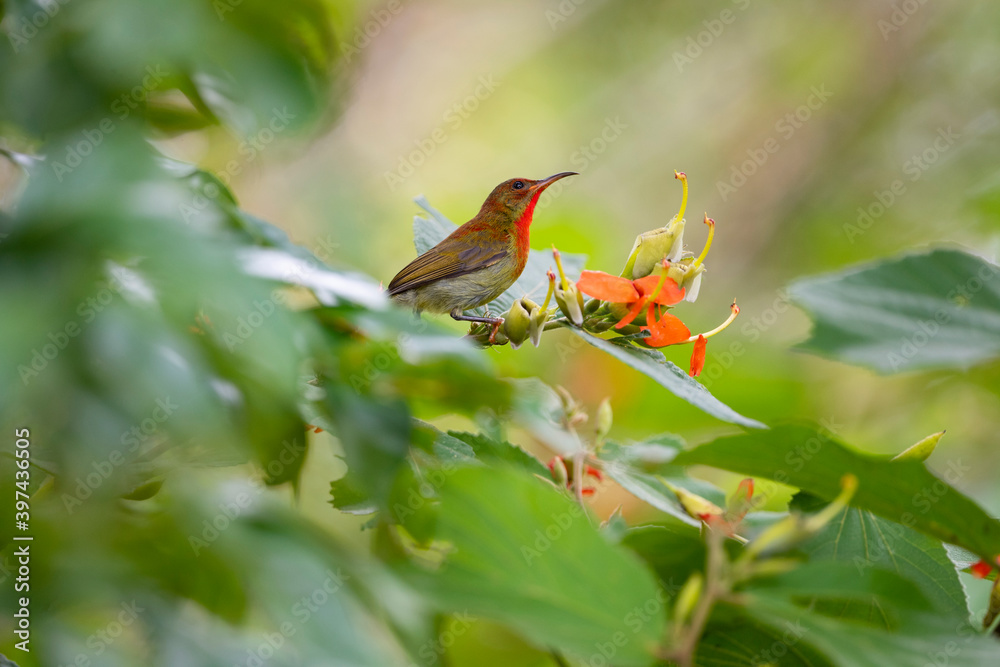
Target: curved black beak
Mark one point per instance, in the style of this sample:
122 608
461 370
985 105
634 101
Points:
546 182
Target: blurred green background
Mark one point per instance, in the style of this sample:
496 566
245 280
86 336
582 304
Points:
627 92
793 122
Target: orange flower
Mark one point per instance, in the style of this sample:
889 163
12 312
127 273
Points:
652 293
698 356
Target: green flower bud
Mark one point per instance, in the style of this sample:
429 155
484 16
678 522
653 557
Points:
620 310
515 324
652 247
538 319
687 274
605 417
696 506
570 302
559 473
688 597
778 537
921 450
601 326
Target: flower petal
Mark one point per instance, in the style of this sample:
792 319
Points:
632 313
981 570
667 330
698 362
670 293
607 287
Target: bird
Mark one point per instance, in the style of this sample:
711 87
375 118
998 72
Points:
477 262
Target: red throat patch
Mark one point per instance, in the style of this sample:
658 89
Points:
522 225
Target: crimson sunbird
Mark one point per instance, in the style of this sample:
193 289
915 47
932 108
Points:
478 261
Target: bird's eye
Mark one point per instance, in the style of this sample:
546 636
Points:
518 185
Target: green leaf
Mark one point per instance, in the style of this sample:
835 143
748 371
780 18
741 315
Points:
873 595
667 374
375 434
639 468
735 638
920 642
526 555
500 451
939 309
330 287
812 460
444 447
864 541
348 496
533 282
675 550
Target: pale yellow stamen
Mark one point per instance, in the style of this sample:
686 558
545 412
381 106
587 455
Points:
708 242
562 275
552 288
734 311
682 177
659 285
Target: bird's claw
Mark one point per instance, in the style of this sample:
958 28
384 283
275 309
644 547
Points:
496 327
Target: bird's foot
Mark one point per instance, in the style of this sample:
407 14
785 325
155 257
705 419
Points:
497 323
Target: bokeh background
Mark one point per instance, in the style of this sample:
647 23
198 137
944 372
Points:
449 98
818 135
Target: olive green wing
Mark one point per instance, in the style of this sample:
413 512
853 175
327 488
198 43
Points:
448 259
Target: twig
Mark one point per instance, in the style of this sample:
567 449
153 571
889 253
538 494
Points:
715 587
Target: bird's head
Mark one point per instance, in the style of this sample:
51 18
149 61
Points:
515 199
